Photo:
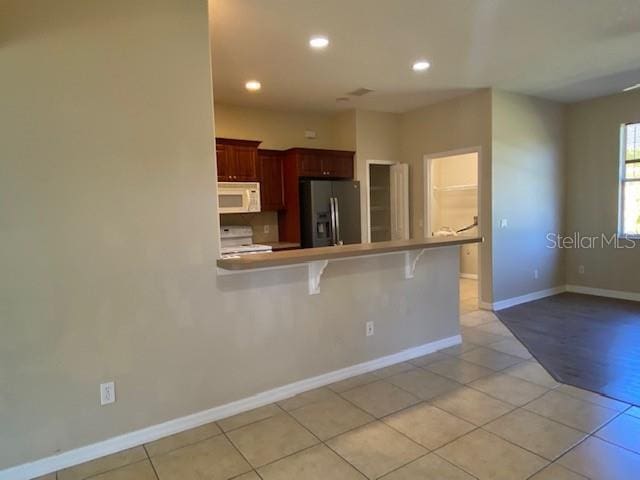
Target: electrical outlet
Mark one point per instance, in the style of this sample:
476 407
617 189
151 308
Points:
536 274
504 223
581 269
369 329
107 393
266 229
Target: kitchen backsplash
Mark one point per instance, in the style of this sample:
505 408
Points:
257 221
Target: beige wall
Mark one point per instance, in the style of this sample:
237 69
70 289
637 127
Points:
460 123
593 146
343 129
278 129
108 241
528 175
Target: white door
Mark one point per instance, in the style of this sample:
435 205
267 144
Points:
399 201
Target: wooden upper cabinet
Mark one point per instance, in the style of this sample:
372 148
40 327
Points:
338 165
309 164
317 163
237 160
271 180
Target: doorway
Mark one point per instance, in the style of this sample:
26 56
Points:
387 201
452 209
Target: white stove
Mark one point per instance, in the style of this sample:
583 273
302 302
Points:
238 240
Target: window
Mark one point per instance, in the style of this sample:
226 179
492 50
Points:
630 181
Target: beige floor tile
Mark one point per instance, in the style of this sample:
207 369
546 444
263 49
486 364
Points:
315 395
479 337
213 459
511 346
50 476
593 398
427 359
376 449
532 372
556 471
599 460
490 358
488 457
380 398
460 348
509 389
248 476
393 369
634 412
571 411
423 384
271 439
472 406
428 425
136 471
479 317
331 417
623 431
429 467
459 370
251 416
181 439
103 464
315 463
467 308
353 382
495 328
537 434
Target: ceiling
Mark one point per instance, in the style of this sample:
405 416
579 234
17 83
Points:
565 50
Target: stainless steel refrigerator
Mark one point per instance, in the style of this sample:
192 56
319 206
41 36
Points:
329 212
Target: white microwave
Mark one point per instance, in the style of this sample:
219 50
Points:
238 197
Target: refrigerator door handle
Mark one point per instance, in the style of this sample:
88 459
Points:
337 207
333 221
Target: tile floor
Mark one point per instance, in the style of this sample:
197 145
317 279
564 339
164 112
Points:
483 410
469 300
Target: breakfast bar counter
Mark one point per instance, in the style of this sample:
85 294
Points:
317 259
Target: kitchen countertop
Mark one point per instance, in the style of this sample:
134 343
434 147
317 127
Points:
305 255
282 245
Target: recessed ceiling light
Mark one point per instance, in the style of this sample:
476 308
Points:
632 87
253 85
319 42
421 66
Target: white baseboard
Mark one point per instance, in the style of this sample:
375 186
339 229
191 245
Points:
529 297
149 434
485 305
470 276
601 292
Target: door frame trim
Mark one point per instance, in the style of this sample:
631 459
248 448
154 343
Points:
428 195
367 204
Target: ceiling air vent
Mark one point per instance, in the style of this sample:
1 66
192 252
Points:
359 92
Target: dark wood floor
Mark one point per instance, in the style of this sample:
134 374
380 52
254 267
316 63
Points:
586 341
